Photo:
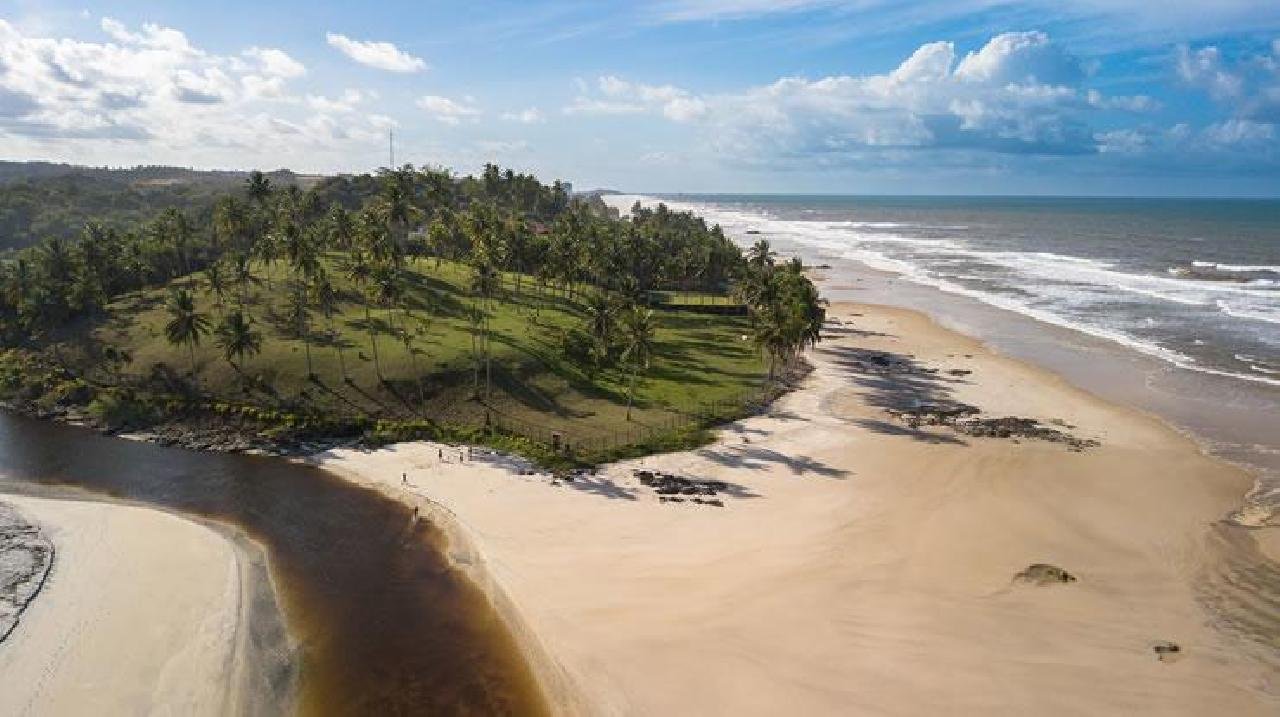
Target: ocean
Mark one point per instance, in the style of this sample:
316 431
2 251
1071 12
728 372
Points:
1185 292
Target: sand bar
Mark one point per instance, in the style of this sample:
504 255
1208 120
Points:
864 566
139 615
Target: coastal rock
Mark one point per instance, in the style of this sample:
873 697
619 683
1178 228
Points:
667 486
25 558
1167 651
963 418
1044 574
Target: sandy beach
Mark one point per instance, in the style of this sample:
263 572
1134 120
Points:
862 565
141 613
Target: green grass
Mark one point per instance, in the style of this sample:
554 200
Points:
692 298
537 389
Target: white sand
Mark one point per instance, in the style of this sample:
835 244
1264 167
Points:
865 571
139 616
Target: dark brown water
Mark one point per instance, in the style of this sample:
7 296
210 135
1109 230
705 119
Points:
385 626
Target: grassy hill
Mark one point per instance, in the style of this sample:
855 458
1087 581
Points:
537 386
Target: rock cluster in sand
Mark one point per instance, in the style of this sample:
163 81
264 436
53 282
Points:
25 558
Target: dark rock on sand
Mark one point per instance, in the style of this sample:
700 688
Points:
667 485
1044 574
963 418
1167 651
25 557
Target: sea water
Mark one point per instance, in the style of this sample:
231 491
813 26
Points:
1184 294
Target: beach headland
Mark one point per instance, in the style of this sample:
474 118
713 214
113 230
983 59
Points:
141 611
878 542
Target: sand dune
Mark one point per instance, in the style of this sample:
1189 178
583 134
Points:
139 615
863 566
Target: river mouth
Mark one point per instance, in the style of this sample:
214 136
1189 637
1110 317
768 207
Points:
381 621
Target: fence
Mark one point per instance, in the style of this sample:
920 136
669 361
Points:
696 416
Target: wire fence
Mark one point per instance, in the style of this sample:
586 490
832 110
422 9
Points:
677 422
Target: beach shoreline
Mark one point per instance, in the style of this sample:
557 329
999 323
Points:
143 610
598 577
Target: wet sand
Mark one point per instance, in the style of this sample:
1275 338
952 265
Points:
863 565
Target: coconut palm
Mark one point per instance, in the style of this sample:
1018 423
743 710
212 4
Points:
326 298
299 314
237 338
484 283
601 325
258 187
360 272
760 256
185 325
639 334
216 279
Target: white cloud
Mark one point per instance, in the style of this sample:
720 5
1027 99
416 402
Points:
443 109
348 101
588 106
1023 58
1239 132
381 55
530 115
622 97
1249 84
276 63
149 95
1018 94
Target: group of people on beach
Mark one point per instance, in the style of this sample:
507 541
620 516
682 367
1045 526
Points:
464 454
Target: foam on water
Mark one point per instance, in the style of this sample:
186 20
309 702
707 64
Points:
1144 311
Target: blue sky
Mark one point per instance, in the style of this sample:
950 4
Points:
1127 97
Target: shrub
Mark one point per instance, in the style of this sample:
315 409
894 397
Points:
117 410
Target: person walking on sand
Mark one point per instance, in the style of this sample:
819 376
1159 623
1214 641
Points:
404 479
440 454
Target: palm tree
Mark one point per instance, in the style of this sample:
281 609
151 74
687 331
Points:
359 271
639 331
217 282
341 229
600 325
760 256
237 338
484 283
186 325
299 313
179 230
243 274
326 298
258 187
475 320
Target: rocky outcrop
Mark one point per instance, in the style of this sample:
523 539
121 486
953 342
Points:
964 418
671 487
25 558
1044 574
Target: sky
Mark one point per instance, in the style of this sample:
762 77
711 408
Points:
1057 97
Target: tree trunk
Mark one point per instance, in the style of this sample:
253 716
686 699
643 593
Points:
191 349
337 344
373 341
306 347
488 354
631 391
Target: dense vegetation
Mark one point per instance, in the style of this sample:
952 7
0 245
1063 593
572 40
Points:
411 303
39 199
